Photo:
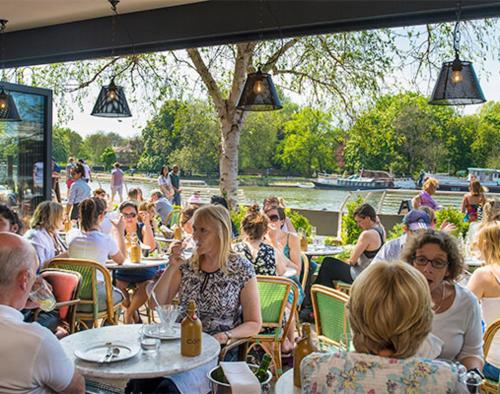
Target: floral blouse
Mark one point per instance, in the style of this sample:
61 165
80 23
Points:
265 261
364 373
217 294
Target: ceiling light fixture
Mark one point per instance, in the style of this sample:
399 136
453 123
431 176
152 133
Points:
8 109
457 83
111 102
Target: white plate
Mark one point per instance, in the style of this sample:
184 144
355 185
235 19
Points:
97 351
154 258
152 331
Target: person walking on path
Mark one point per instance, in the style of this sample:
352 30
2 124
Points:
164 182
78 192
117 182
87 177
175 181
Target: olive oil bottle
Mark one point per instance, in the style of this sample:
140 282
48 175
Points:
303 348
191 332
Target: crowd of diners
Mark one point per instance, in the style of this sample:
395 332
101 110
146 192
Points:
408 307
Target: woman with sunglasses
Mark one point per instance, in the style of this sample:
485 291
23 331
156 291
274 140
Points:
457 315
138 277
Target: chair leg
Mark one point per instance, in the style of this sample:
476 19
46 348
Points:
277 359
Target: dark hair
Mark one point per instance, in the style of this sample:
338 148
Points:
9 215
447 244
116 165
126 204
273 201
89 211
99 190
279 209
366 211
187 214
254 224
79 169
219 200
163 168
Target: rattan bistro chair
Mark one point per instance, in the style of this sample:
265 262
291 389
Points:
490 386
330 314
88 313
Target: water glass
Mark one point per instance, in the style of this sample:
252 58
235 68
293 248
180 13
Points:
149 346
42 295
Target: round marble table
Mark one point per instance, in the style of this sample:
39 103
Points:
168 361
146 262
285 385
323 250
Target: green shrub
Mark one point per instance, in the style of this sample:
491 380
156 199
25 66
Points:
299 221
396 232
452 215
350 229
237 216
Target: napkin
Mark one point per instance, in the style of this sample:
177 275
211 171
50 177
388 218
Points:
240 377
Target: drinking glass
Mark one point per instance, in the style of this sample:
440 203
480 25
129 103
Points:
42 295
168 315
149 346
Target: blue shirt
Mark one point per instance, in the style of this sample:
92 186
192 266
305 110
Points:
78 192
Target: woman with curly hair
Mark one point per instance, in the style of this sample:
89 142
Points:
457 315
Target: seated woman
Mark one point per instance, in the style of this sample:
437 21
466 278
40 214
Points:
9 221
139 277
369 243
45 224
473 201
222 283
485 284
390 315
262 255
457 315
90 243
275 202
425 196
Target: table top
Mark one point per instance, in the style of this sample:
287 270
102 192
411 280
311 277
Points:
167 362
322 250
284 384
146 262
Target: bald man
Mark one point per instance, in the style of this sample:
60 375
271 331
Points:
33 361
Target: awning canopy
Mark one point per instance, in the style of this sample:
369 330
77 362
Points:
48 31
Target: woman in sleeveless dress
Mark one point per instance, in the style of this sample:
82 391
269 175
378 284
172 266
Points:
369 243
473 202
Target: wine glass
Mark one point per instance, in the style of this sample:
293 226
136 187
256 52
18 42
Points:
42 295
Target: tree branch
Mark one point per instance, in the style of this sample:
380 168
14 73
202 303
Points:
271 62
243 55
208 80
96 75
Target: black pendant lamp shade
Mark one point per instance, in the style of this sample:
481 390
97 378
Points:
259 93
8 109
457 85
111 102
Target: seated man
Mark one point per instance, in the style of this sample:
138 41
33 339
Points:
33 359
162 205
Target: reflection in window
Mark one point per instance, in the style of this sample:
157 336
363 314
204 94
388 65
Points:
22 155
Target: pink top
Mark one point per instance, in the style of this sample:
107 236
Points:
426 199
117 177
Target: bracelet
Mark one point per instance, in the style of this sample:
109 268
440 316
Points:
228 335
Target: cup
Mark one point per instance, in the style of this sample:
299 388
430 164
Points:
168 315
149 346
42 295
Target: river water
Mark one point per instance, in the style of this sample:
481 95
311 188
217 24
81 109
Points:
295 197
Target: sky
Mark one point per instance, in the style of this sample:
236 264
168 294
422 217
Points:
86 124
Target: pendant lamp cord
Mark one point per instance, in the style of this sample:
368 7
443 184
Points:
3 25
456 31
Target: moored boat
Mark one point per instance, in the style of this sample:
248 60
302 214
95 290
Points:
489 178
366 180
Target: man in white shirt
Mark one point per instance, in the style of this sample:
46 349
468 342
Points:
33 360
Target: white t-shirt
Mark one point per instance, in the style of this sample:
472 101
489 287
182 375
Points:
106 225
459 327
43 244
92 245
164 181
33 360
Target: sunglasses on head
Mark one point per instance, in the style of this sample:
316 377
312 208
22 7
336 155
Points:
129 215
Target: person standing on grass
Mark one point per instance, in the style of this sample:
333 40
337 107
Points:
117 182
175 181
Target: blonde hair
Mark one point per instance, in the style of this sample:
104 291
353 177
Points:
487 242
390 308
430 182
220 221
46 215
491 211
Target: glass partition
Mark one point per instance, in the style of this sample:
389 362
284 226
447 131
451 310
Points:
25 149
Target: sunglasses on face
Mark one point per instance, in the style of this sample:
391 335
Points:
274 218
423 261
129 215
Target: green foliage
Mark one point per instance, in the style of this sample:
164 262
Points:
300 222
350 229
396 231
237 216
452 215
66 143
96 143
108 157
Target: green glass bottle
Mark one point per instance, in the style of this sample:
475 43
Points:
261 373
